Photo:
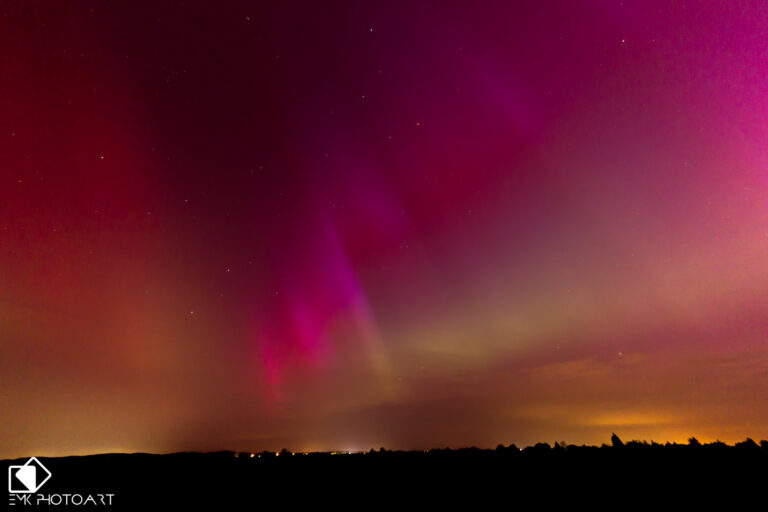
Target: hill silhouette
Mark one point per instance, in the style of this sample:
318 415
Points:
544 472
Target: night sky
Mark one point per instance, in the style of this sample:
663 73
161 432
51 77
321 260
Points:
345 225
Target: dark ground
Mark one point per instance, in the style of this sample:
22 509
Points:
620 475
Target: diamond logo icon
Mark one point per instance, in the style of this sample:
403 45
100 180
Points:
27 478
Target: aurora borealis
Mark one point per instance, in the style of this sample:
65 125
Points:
345 225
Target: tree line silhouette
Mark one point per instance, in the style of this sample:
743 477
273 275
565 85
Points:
542 448
543 472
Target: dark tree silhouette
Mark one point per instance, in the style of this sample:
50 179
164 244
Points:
748 444
629 472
